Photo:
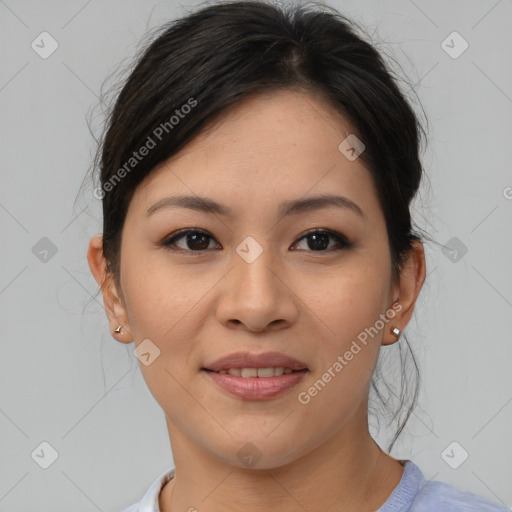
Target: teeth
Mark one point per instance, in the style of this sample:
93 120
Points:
257 372
265 372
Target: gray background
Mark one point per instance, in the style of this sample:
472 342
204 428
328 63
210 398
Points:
65 381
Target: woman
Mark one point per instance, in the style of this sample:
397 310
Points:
256 177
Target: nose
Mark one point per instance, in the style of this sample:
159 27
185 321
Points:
257 295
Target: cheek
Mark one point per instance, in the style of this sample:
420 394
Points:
160 299
348 350
349 310
347 299
163 306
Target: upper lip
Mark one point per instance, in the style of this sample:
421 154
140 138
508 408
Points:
248 360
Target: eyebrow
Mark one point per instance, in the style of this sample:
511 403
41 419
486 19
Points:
293 207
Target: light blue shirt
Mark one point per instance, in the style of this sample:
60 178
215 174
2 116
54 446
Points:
414 493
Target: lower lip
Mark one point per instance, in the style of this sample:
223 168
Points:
256 388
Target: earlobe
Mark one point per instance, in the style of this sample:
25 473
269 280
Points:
412 277
116 312
114 308
118 319
392 331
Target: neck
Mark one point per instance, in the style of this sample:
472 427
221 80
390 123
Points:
338 475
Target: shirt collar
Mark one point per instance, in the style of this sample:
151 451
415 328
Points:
149 502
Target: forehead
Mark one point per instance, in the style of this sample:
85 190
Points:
267 148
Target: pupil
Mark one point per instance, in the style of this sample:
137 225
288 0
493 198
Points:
316 245
192 238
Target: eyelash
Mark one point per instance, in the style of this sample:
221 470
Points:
338 237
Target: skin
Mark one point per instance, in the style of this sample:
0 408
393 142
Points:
310 304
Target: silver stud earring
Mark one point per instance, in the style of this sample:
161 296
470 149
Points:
396 331
118 330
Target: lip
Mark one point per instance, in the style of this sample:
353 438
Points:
256 388
249 360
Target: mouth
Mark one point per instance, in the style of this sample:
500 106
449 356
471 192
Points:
256 383
254 376
246 364
256 372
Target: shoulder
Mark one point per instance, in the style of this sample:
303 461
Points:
441 496
436 495
149 501
132 508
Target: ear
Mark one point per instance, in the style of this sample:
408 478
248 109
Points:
112 298
405 293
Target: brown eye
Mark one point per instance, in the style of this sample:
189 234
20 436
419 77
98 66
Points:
319 239
193 240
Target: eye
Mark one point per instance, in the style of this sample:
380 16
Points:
195 240
319 240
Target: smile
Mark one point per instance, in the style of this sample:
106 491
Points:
256 383
257 372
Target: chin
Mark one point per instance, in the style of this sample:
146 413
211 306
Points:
259 452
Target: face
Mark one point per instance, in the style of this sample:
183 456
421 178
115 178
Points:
254 278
